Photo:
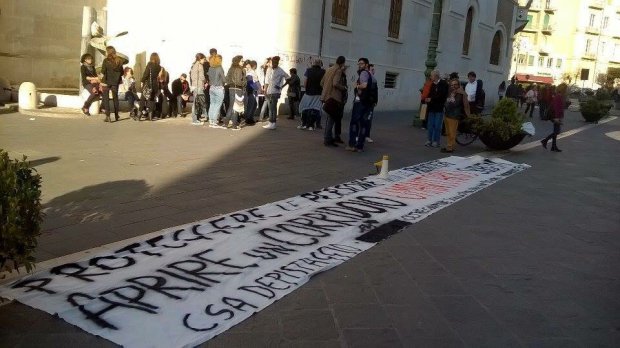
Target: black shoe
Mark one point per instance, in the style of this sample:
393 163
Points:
116 117
444 150
318 126
85 111
330 144
544 143
250 123
338 141
107 118
291 117
555 149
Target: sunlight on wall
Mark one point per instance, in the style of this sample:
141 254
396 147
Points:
253 29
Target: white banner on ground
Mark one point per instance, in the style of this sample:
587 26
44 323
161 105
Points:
192 282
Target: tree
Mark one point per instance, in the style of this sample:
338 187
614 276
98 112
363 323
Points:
613 74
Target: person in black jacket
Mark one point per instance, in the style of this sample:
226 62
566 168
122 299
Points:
149 79
90 81
112 71
436 100
180 94
163 93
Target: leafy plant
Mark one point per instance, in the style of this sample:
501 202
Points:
505 122
593 110
20 213
603 94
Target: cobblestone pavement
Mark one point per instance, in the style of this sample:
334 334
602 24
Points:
531 261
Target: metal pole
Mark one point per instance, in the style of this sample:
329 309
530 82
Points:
322 28
598 44
431 55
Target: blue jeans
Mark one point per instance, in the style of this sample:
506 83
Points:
272 99
433 124
358 125
370 115
216 95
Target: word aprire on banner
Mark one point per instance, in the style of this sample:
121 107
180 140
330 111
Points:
200 279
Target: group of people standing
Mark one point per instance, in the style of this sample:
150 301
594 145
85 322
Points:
447 102
119 82
227 99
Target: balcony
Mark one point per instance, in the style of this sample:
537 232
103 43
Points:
550 7
593 30
588 56
547 29
536 6
597 4
544 51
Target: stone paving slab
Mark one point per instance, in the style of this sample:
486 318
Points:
532 261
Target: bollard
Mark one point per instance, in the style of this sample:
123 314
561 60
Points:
27 99
383 174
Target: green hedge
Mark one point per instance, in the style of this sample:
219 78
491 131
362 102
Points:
20 213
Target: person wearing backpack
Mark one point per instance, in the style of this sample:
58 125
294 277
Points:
362 105
475 93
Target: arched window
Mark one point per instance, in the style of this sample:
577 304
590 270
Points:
467 35
496 48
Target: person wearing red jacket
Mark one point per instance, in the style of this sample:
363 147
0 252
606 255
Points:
558 103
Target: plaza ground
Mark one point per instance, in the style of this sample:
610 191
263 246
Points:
532 261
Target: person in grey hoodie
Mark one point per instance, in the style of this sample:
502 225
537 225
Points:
198 84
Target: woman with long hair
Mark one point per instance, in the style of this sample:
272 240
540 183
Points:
127 91
198 83
235 79
163 93
112 71
90 81
150 84
456 108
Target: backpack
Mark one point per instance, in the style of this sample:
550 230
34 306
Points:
369 95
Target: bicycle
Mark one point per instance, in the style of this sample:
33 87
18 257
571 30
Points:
465 134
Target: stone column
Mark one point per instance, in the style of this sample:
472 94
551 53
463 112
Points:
88 17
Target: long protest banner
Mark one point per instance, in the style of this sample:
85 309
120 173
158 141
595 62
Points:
193 282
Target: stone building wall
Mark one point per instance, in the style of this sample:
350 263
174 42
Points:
40 40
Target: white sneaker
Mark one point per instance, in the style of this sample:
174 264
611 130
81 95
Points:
267 125
368 140
271 125
310 128
197 123
301 127
216 126
236 128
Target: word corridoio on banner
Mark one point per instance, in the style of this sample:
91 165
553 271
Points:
193 282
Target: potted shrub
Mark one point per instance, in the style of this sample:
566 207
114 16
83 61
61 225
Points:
20 213
504 129
593 110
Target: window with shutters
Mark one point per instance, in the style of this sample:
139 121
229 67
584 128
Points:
391 78
467 36
395 12
340 12
496 47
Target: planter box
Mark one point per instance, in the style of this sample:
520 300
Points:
494 142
